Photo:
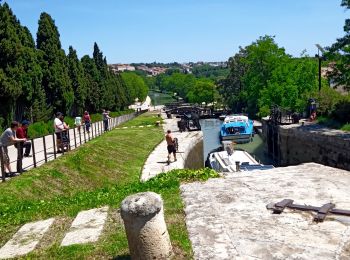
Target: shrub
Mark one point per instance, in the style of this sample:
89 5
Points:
346 127
39 129
327 99
342 111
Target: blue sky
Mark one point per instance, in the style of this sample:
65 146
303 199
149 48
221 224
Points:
185 30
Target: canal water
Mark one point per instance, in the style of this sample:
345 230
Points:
160 98
211 128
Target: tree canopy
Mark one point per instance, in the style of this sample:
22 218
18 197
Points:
340 53
262 74
39 79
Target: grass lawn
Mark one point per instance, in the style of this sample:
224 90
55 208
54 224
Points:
144 119
101 172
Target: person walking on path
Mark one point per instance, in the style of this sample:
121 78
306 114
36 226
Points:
8 138
105 116
170 140
87 121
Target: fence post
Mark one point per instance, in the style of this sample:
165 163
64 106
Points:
75 137
68 135
33 149
84 136
62 147
3 173
19 147
45 153
92 132
54 145
80 134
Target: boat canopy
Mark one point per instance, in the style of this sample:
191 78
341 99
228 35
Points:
236 118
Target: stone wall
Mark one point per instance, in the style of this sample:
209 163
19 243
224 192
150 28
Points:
194 158
299 143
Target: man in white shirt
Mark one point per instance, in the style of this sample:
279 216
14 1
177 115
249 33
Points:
59 128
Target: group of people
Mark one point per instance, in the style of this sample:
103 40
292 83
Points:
86 120
16 135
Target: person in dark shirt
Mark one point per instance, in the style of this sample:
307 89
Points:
22 132
87 121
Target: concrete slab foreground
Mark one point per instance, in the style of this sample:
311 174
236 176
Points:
26 239
86 227
227 217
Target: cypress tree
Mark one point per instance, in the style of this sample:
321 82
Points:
20 73
77 76
56 79
93 99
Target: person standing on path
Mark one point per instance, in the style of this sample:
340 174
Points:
170 140
8 138
22 132
59 128
105 116
87 121
77 122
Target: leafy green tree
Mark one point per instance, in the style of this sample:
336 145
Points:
136 85
340 52
232 88
202 91
56 81
262 74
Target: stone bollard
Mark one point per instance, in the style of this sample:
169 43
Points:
145 227
238 167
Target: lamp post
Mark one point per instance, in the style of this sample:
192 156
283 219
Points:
320 58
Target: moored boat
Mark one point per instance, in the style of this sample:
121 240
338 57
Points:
228 159
238 128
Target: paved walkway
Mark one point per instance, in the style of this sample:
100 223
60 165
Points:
156 162
86 228
76 140
227 217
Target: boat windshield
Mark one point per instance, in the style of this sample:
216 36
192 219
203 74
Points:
235 130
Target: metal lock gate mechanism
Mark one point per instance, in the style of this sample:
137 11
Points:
329 208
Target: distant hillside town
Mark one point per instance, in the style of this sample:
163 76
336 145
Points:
154 69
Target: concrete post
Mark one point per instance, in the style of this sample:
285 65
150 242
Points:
145 227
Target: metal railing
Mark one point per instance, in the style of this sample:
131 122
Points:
47 148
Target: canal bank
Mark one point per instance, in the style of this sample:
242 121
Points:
189 154
306 142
